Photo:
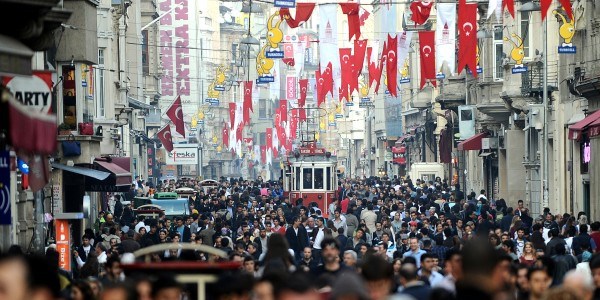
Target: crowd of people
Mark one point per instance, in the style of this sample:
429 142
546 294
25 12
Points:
382 238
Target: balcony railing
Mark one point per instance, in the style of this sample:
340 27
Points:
532 81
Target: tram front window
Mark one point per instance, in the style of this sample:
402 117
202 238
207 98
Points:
318 179
308 180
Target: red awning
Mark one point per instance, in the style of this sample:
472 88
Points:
472 143
594 128
122 177
576 129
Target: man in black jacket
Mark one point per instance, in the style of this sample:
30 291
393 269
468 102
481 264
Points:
183 230
297 237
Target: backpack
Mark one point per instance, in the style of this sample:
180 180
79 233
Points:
499 215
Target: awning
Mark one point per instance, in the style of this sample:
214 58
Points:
403 138
122 177
472 143
576 129
594 128
15 57
138 104
99 175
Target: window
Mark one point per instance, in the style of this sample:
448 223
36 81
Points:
262 138
264 108
69 97
145 64
297 175
498 54
100 106
246 23
525 23
308 179
208 21
319 179
328 178
466 115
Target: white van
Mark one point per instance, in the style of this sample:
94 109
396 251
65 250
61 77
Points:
426 171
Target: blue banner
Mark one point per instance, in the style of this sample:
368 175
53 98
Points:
393 116
5 188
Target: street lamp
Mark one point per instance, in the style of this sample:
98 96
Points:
531 7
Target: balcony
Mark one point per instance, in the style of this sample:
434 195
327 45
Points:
490 103
452 93
90 147
532 81
586 81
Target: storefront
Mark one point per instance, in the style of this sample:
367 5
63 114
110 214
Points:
585 135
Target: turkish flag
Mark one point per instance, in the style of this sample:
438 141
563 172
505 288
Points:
510 6
358 59
232 108
566 4
347 71
382 60
294 122
269 138
363 16
301 114
303 83
420 11
283 110
164 135
238 133
175 113
303 12
247 101
352 10
374 70
277 116
328 76
319 88
391 66
225 135
467 37
263 154
427 57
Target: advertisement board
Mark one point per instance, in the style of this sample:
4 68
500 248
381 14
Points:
183 154
63 241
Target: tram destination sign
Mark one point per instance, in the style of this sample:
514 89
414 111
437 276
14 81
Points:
312 151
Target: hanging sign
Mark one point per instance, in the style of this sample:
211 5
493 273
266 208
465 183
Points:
517 54
285 3
566 32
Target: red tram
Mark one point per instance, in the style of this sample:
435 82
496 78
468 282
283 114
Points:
311 175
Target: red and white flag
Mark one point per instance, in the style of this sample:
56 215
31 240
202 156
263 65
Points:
510 6
374 68
566 4
225 132
352 10
358 61
303 13
467 26
247 101
391 65
263 154
269 138
427 57
445 38
347 71
175 113
303 84
283 109
421 11
232 109
164 135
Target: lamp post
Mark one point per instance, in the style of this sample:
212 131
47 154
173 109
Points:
530 7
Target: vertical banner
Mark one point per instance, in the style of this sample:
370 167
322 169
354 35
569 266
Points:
445 39
290 88
393 115
63 242
5 209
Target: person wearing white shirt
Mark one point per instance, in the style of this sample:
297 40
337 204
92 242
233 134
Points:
319 236
427 271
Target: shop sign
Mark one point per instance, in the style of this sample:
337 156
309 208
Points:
32 91
183 154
